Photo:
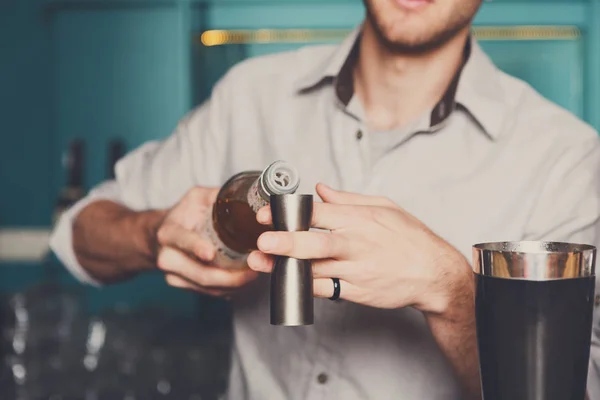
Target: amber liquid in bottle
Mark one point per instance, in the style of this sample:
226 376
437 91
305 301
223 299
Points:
233 227
235 223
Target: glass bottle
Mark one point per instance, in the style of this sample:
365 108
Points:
233 228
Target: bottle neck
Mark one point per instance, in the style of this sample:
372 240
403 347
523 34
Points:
278 178
262 190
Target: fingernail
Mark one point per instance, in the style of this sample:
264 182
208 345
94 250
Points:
254 263
250 260
209 255
267 241
325 186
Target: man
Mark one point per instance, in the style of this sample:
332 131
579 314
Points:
434 148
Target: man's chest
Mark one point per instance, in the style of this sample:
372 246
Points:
453 180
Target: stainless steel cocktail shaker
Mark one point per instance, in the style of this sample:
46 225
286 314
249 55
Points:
534 304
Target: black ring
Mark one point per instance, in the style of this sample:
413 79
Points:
337 289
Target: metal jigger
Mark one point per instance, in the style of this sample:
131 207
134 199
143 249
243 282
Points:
291 279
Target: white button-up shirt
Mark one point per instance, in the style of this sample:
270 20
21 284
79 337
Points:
492 161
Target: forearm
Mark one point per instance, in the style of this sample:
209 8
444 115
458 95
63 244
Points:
455 332
113 243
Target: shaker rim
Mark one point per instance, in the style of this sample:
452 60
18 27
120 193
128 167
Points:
534 247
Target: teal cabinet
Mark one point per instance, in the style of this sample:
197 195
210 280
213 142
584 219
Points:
117 74
25 115
555 68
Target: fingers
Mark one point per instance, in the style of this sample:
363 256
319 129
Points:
191 242
261 262
323 271
325 216
175 262
333 196
330 268
202 195
303 245
181 283
323 288
338 210
264 216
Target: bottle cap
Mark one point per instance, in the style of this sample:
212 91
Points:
280 178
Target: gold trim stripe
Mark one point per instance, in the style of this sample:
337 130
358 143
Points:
526 33
224 37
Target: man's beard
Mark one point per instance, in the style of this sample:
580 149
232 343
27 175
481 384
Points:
423 45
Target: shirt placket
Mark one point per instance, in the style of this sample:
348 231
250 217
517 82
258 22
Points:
349 154
324 373
350 146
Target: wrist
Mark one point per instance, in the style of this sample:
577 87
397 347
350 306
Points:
452 290
144 228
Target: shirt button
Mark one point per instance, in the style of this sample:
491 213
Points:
322 378
359 134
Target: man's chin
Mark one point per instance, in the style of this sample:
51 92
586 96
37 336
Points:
416 41
413 45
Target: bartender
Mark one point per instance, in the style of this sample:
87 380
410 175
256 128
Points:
424 148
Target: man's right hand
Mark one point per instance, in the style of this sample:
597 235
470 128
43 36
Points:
184 253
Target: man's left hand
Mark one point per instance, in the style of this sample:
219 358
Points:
383 256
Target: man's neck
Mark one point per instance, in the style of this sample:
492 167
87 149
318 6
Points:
396 88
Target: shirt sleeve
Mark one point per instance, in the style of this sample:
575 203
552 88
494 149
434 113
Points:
568 204
568 209
157 174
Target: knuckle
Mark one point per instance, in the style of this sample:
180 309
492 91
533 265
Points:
161 234
162 259
328 244
376 213
290 243
164 233
198 249
195 193
203 250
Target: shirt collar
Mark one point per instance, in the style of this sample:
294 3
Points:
475 87
479 92
332 65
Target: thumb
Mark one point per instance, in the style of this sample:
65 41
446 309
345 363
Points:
330 195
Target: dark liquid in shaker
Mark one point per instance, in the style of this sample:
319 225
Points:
236 225
534 337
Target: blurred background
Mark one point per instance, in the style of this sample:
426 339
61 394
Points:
83 81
